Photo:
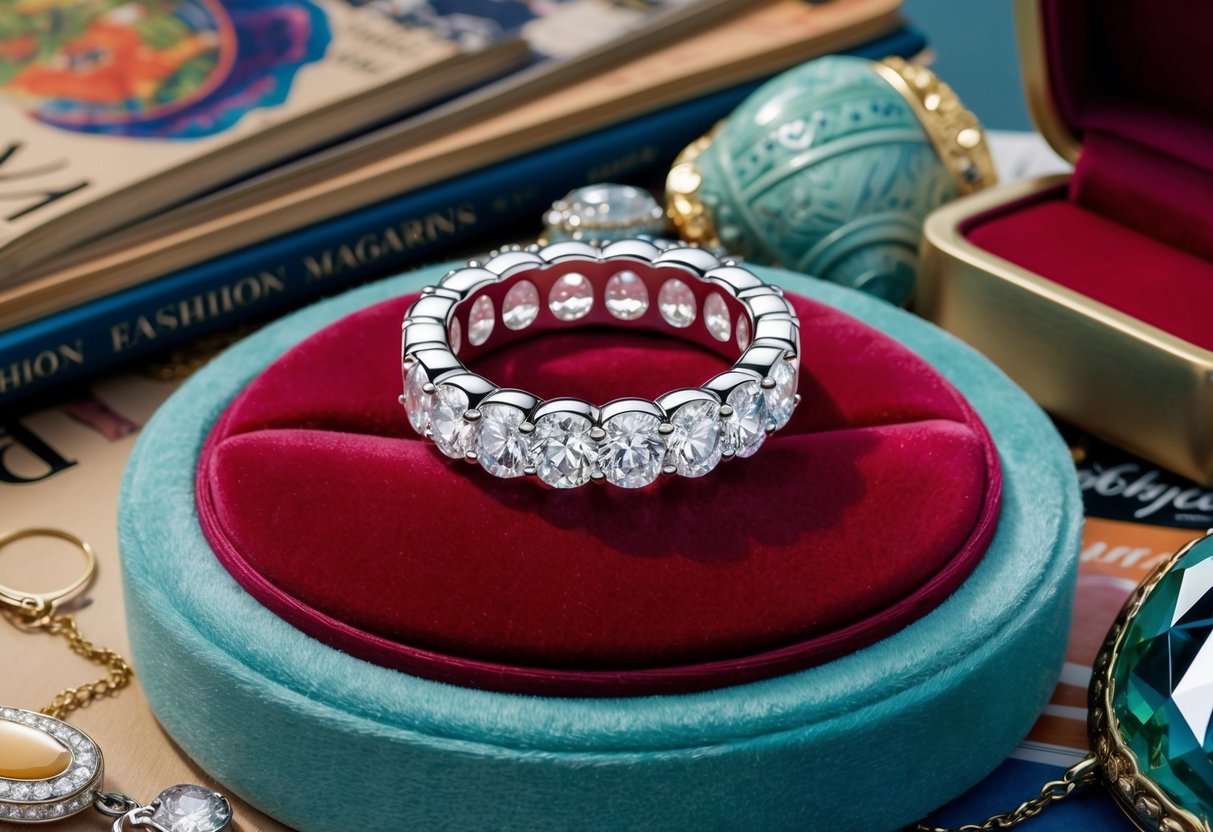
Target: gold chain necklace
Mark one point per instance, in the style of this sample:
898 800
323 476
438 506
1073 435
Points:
1151 698
49 769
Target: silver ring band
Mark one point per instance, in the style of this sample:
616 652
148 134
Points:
568 442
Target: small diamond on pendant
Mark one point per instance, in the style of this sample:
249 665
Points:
189 808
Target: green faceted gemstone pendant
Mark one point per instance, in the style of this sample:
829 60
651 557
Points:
1151 697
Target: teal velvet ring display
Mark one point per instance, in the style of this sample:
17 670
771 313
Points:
870 741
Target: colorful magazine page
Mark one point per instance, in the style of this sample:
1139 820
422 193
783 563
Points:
769 38
116 109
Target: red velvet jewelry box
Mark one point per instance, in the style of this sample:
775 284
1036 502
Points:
1095 291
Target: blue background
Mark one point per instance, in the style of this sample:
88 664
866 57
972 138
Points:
974 42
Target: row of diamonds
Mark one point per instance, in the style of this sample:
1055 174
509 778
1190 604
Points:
568 442
46 811
624 296
572 296
86 760
629 442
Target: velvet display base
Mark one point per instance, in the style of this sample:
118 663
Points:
316 494
1103 260
869 741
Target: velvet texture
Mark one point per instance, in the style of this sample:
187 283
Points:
317 495
1102 259
1135 228
935 706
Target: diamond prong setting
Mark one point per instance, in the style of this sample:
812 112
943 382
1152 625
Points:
687 291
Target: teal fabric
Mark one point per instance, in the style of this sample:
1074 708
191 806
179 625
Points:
871 741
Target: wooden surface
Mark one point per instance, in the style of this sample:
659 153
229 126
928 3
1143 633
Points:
140 759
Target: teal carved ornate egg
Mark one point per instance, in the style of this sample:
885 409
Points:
830 169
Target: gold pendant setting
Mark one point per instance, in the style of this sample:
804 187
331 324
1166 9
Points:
1151 697
49 770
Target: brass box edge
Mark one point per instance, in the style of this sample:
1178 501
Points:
1099 369
1034 66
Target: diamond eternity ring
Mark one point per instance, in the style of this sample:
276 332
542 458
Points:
567 442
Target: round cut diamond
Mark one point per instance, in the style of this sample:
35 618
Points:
633 451
452 433
563 451
676 302
745 427
501 447
189 808
694 445
520 306
743 331
481 320
571 297
1161 694
716 317
41 790
626 296
781 399
416 400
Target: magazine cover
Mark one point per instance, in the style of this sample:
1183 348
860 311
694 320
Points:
111 110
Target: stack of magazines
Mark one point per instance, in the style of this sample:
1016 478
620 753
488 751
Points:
171 167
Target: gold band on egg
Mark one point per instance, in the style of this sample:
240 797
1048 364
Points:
683 204
954 131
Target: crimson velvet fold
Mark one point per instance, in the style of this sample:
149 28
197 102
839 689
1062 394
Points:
867 510
1134 228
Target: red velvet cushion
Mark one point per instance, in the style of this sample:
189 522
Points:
861 515
1086 252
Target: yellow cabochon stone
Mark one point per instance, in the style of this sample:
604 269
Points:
28 753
